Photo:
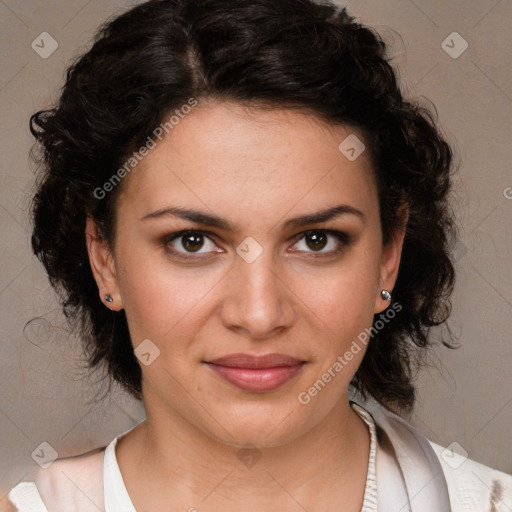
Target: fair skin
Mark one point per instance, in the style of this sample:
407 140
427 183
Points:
257 170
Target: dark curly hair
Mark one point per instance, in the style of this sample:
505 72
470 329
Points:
294 54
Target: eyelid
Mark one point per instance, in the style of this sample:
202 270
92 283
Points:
177 234
334 232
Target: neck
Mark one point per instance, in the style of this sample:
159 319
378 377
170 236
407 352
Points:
324 468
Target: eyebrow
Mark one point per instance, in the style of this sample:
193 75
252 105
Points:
207 219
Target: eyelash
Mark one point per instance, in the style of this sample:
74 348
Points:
343 239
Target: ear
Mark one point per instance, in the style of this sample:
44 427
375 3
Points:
103 267
390 261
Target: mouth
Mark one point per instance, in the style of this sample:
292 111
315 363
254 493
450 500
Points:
257 374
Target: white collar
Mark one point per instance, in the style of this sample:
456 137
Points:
370 489
117 498
418 465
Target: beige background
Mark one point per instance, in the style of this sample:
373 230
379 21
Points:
466 397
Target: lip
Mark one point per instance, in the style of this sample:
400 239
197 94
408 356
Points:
257 374
250 361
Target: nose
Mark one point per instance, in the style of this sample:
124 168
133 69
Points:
259 302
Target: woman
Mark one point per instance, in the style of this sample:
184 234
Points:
249 225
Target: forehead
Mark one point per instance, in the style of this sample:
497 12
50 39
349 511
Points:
223 155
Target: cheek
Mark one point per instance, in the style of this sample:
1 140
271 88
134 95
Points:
341 332
161 301
344 298
343 303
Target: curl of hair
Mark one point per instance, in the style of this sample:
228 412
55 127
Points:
293 54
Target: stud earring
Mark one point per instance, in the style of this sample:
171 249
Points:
109 298
385 295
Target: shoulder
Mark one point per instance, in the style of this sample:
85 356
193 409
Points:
473 486
470 486
68 485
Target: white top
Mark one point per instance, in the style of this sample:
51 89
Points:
25 496
414 475
116 495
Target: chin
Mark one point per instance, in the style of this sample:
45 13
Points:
263 428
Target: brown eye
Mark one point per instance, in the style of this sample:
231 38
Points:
192 242
186 243
316 240
322 242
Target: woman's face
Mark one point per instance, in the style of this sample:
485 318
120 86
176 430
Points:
283 255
